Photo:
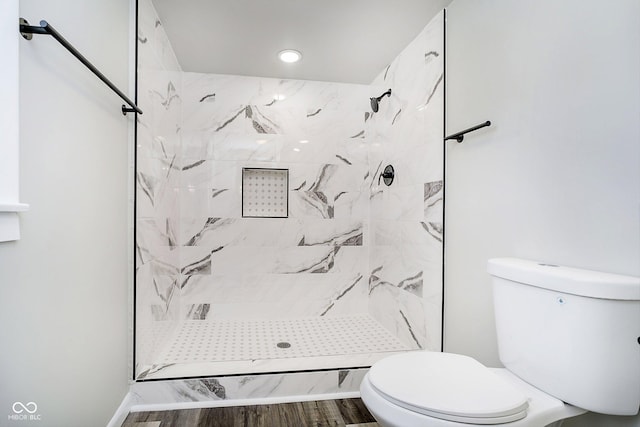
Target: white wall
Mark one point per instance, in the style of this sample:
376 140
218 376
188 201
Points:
9 142
556 177
63 286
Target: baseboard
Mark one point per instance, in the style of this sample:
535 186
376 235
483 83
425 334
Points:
238 402
123 410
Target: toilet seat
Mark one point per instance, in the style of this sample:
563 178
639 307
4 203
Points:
448 386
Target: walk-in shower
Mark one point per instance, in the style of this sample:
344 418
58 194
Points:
264 239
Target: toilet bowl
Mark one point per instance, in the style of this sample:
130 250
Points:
429 389
569 342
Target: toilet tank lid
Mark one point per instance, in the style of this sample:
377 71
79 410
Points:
569 280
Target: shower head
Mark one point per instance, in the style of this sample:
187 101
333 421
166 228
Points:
375 102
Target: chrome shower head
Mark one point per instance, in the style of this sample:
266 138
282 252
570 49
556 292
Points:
375 102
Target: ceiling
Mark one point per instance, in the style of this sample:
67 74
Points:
348 41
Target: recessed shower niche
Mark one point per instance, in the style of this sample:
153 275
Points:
265 193
350 270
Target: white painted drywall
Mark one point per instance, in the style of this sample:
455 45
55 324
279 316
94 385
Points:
63 286
9 134
556 177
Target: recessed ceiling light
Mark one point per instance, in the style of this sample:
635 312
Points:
279 96
289 55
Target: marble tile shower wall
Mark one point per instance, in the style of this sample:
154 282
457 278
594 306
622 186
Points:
313 263
349 245
157 184
405 281
247 387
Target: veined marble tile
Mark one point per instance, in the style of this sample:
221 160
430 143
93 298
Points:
157 312
349 299
157 182
269 310
196 144
247 387
147 55
328 204
156 241
320 259
164 170
155 200
410 146
418 66
287 385
163 259
314 204
227 174
331 233
223 289
156 295
407 133
247 103
153 338
210 232
239 260
330 124
196 260
160 100
311 95
210 202
230 146
351 205
264 120
194 249
350 379
414 163
157 193
433 318
400 312
275 296
423 167
352 151
402 203
324 149
214 232
156 146
247 119
404 266
327 177
397 233
197 311
296 260
195 202
195 172
270 287
434 209
154 48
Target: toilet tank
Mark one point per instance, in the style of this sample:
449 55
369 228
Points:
574 334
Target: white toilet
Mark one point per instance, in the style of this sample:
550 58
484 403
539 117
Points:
569 340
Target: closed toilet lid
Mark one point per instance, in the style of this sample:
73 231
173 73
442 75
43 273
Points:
448 386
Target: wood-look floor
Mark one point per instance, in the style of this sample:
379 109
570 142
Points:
321 413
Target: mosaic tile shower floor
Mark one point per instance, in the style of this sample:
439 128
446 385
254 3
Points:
227 340
219 347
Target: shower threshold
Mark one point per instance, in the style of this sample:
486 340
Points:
239 346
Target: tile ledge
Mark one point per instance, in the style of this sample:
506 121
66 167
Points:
13 207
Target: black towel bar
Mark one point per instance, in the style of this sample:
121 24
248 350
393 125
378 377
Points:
460 135
45 28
